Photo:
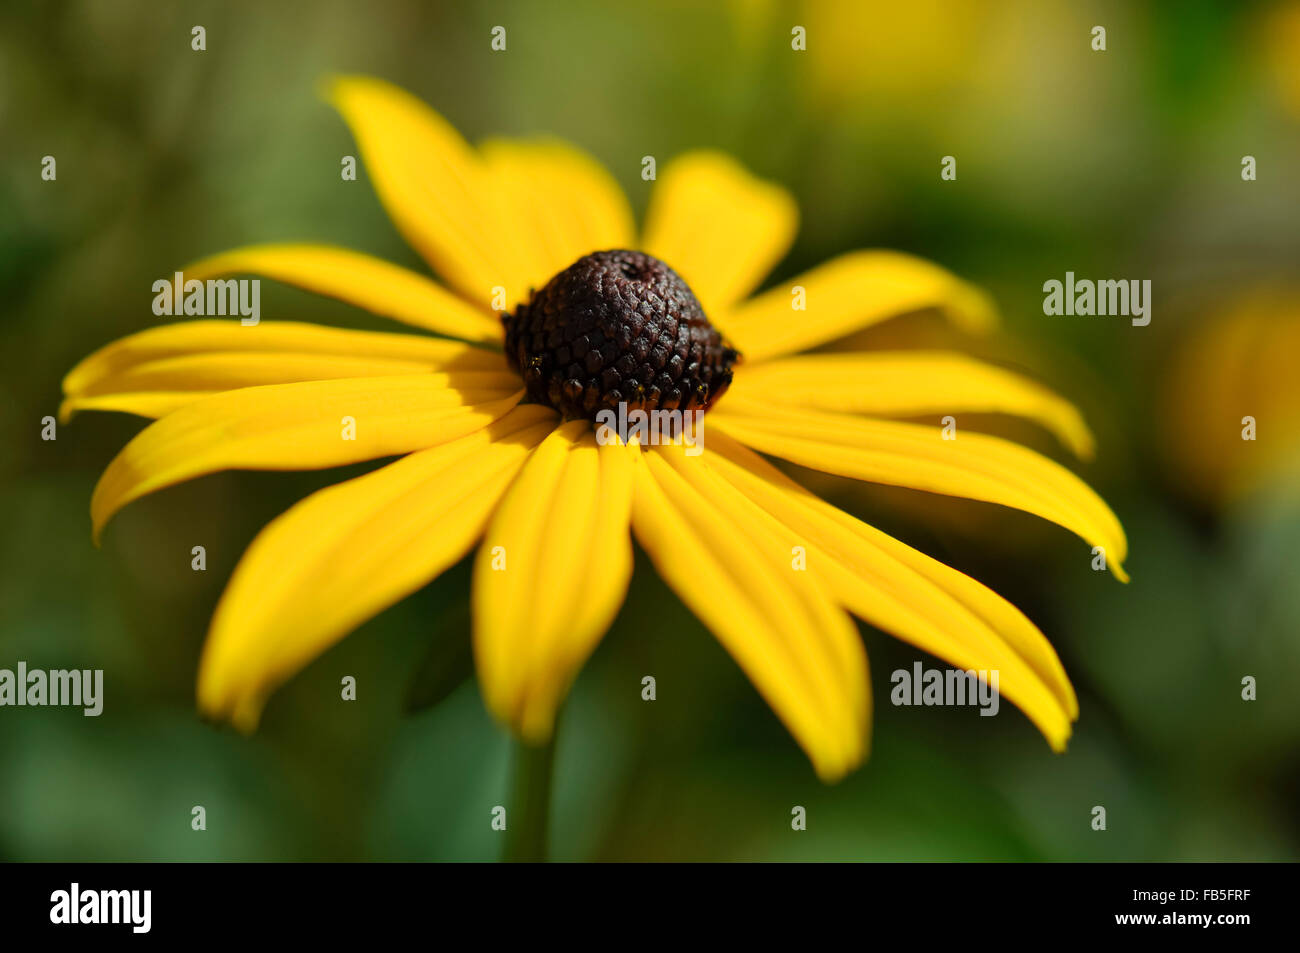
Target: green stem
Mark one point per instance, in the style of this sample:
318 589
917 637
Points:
530 809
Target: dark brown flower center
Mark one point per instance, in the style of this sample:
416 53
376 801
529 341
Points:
617 327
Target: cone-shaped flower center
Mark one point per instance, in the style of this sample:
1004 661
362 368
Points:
617 327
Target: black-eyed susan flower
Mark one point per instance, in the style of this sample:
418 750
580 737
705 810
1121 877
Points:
1229 401
551 309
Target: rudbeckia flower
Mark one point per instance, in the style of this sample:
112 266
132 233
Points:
1229 401
551 308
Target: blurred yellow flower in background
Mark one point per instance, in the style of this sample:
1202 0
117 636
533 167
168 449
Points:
1229 418
1279 37
895 54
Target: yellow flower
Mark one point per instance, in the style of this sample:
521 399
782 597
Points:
549 504
1230 403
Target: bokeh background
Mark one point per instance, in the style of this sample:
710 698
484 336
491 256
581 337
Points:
1117 164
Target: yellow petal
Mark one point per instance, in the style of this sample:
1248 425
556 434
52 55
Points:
974 466
195 376
564 198
722 557
365 281
151 404
904 592
551 574
349 551
909 384
436 189
285 337
847 294
304 426
156 371
718 227
252 371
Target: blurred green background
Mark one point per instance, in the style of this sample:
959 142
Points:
1122 164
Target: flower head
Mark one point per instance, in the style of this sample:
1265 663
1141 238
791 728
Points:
617 327
499 449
